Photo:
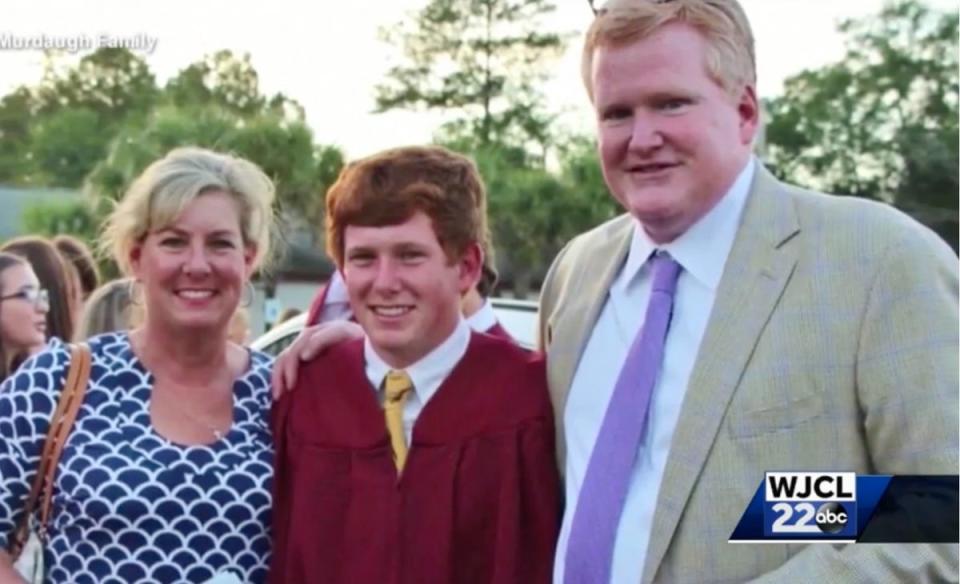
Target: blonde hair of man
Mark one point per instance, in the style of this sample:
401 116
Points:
731 58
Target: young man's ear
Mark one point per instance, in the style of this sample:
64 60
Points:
471 264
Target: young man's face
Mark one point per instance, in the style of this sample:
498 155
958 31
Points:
403 289
671 139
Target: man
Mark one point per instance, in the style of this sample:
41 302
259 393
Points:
422 452
731 324
332 304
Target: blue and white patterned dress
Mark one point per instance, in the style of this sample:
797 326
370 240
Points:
129 505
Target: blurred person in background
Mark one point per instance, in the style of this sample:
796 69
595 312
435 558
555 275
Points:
84 276
23 311
166 474
110 308
286 314
52 272
240 327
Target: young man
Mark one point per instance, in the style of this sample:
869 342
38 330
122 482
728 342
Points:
332 303
423 452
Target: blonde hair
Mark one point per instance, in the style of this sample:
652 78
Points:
731 58
111 307
168 185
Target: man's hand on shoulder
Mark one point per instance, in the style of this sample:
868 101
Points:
310 343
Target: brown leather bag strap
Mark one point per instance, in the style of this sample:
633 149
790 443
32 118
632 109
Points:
61 423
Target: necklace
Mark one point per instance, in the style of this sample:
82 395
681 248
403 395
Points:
218 434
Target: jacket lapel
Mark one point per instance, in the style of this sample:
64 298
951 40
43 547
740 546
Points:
754 277
580 310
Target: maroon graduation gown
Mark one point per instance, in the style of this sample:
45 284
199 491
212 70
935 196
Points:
477 502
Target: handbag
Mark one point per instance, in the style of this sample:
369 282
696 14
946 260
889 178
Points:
30 538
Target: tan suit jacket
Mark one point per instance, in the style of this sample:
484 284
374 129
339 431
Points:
832 345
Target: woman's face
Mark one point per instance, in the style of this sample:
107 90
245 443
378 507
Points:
193 271
23 312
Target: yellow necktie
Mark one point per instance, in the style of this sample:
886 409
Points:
397 387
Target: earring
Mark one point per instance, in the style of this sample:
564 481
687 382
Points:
251 291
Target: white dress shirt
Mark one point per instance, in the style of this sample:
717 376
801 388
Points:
702 252
336 304
427 374
483 319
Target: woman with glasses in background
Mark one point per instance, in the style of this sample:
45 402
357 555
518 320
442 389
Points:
51 270
23 312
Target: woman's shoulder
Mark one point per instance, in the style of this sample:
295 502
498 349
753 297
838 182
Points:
258 371
260 360
34 387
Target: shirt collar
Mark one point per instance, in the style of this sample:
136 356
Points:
483 319
337 289
702 249
428 373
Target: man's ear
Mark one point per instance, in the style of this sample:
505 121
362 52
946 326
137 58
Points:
748 108
471 264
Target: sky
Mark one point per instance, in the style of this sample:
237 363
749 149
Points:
327 55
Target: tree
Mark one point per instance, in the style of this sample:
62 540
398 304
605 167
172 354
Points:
78 217
113 82
16 111
229 82
534 213
284 150
881 123
55 132
482 60
66 145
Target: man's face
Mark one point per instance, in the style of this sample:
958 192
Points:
403 289
671 139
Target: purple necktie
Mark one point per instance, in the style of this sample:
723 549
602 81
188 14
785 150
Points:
595 521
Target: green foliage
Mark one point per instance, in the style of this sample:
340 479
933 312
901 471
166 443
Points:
66 145
230 83
99 123
55 132
535 212
112 82
479 59
16 111
74 216
284 150
883 122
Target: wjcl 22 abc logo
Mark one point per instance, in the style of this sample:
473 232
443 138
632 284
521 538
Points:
810 505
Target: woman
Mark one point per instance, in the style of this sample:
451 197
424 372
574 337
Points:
54 278
84 276
23 312
110 308
166 474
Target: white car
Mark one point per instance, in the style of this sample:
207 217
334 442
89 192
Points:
518 317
